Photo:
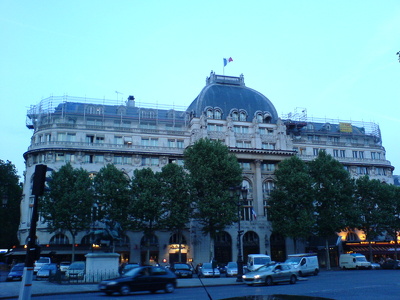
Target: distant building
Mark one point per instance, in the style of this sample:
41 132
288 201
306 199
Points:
91 133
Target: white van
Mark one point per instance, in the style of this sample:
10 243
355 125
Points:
353 261
254 261
304 263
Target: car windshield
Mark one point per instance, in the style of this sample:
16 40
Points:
17 268
232 265
43 261
265 269
77 267
182 266
361 258
293 260
261 260
207 266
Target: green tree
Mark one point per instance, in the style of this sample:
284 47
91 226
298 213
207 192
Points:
67 205
175 190
213 170
10 198
370 198
291 203
111 188
390 207
333 191
146 209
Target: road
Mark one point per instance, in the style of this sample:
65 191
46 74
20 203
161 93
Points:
339 285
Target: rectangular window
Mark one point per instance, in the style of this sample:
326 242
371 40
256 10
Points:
268 167
245 166
150 161
100 139
265 131
335 153
243 144
361 154
342 153
315 151
117 160
89 158
89 139
268 146
99 158
71 137
127 160
214 127
373 155
69 157
48 137
355 154
60 157
241 129
61 137
336 140
152 142
118 140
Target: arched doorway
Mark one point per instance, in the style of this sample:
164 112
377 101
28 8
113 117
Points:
177 248
251 244
149 249
223 247
278 247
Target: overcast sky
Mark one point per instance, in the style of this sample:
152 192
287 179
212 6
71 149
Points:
337 58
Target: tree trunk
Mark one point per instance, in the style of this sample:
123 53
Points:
211 248
73 249
328 256
180 246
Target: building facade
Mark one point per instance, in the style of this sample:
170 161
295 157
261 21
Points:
91 133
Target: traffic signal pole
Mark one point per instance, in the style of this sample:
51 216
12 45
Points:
33 250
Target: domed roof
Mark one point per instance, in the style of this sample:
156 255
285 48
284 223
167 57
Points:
230 94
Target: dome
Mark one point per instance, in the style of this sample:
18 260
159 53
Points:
229 94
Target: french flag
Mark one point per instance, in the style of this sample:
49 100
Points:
254 214
227 60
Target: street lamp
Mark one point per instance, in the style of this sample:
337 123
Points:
236 192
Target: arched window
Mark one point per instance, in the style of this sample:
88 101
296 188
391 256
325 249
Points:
59 239
267 118
174 239
260 118
242 116
267 187
209 113
247 184
235 116
217 114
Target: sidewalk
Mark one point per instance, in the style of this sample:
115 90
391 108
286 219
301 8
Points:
11 289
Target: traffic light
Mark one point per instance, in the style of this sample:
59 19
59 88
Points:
39 179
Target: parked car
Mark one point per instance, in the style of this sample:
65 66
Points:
40 263
391 264
46 271
129 267
206 270
222 268
375 266
269 275
64 265
76 270
16 272
231 269
182 270
144 278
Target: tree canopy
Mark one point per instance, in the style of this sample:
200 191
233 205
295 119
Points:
213 170
10 198
67 205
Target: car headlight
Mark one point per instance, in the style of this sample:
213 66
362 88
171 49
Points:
257 276
244 277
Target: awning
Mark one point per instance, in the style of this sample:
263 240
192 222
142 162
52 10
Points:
375 249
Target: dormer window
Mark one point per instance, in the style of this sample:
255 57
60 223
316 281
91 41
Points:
235 116
209 113
217 114
242 116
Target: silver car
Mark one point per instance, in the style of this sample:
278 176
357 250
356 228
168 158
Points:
231 269
269 275
207 270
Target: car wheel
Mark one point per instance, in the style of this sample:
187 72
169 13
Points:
169 288
293 279
269 281
108 293
316 271
124 290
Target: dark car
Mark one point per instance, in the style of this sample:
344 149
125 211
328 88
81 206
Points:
182 270
391 264
144 278
16 272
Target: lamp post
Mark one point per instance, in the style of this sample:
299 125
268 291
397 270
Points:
236 192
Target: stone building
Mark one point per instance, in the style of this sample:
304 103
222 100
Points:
91 133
